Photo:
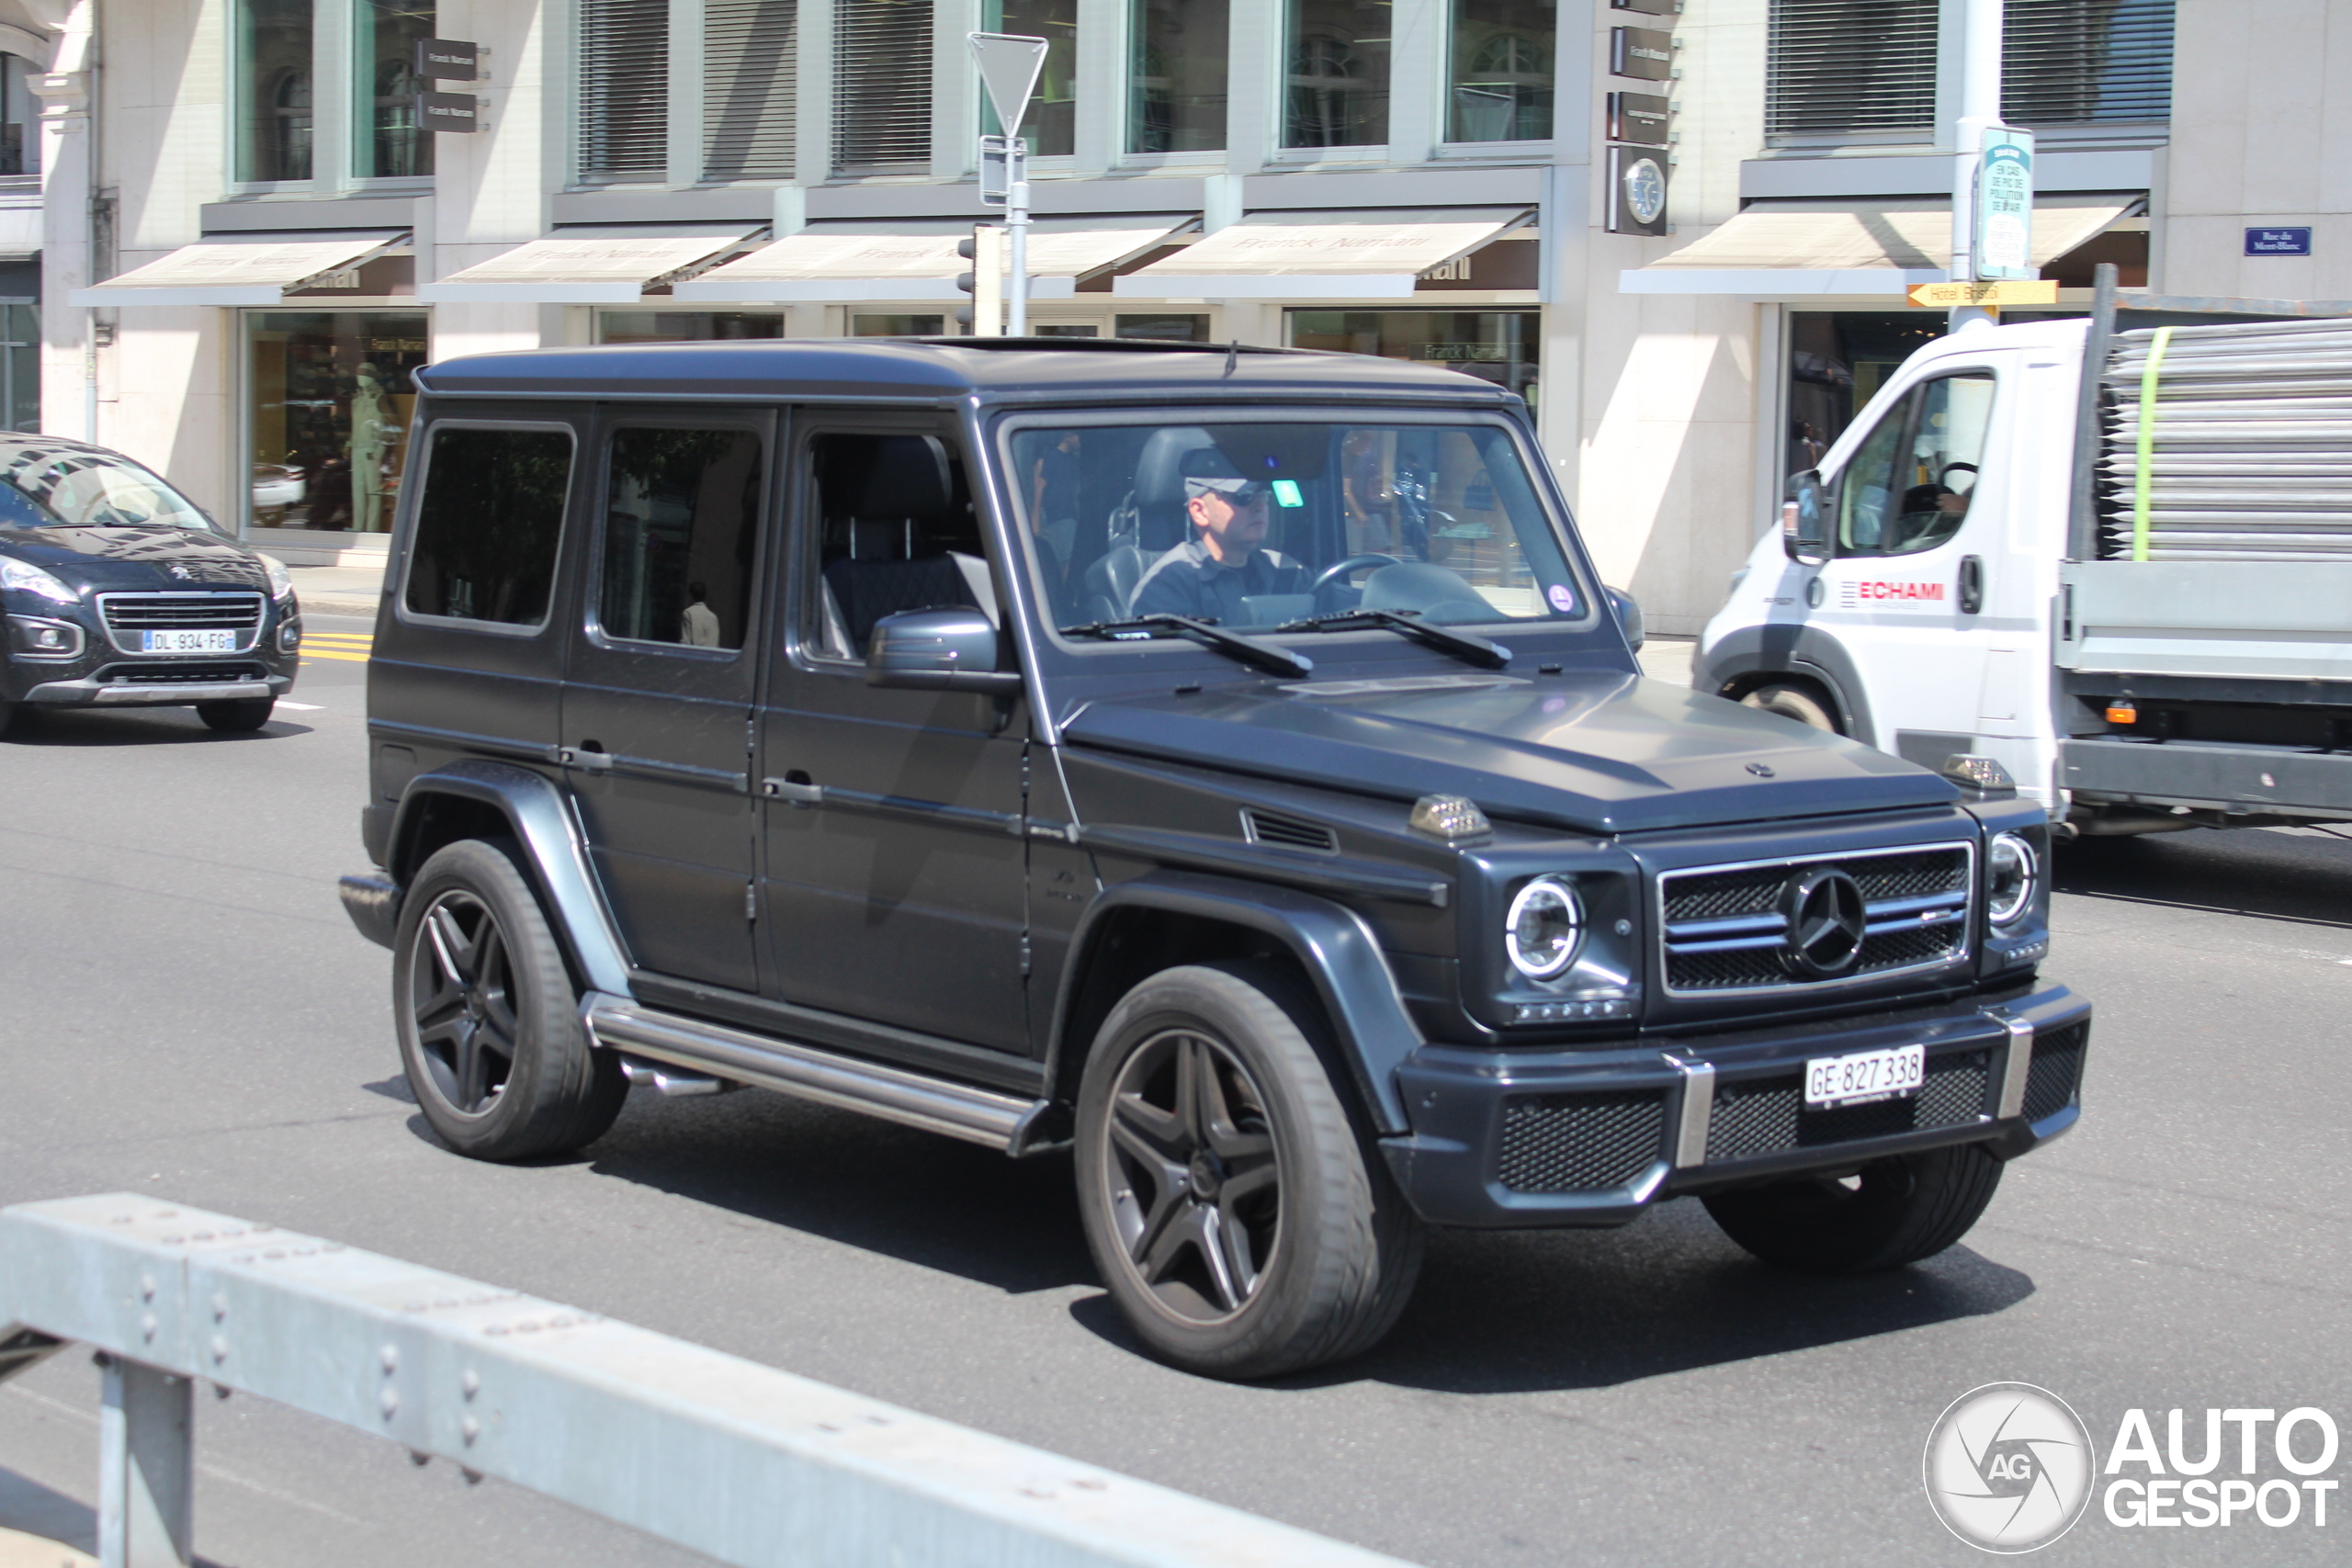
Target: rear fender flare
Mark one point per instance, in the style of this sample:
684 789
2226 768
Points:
1330 943
555 857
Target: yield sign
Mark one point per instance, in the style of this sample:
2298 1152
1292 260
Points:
1009 67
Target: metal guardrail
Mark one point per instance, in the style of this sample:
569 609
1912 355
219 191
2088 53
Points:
743 1463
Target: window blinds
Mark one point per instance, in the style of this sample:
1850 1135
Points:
881 84
2087 62
750 50
623 89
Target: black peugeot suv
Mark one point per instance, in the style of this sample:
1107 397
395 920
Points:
1224 765
121 592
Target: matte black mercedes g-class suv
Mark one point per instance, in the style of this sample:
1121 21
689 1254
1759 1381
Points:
1224 764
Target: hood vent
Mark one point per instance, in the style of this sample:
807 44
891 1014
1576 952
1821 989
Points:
1287 832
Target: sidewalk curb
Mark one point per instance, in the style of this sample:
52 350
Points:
338 604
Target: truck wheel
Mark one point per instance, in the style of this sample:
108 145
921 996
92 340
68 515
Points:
485 1011
1793 702
1896 1212
1242 1226
237 714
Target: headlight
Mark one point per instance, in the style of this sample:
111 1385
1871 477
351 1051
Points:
281 582
2012 873
1545 927
31 579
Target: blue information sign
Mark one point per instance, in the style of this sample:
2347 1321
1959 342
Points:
2277 242
2003 246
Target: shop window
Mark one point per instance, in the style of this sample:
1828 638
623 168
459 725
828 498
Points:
329 403
1177 75
1065 329
1052 126
1502 346
1164 326
19 117
1838 361
898 326
881 85
1337 77
687 326
1502 58
488 524
273 66
624 90
20 363
390 145
681 510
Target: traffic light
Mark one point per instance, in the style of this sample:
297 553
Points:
984 317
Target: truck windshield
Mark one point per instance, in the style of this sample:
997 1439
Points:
1255 525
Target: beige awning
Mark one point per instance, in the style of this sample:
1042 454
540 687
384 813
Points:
917 261
592 265
241 269
1374 254
1790 249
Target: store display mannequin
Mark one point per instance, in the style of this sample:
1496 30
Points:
372 432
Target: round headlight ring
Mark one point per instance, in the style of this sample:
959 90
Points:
1545 930
2012 876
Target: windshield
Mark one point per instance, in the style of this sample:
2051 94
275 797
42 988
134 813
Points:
89 489
1254 525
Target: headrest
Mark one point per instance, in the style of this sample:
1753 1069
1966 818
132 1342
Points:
905 475
879 538
1159 472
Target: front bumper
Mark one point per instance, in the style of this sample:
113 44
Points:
1510 1139
133 692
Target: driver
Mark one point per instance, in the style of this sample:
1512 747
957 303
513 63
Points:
1208 575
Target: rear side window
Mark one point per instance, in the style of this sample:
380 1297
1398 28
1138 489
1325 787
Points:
680 516
488 524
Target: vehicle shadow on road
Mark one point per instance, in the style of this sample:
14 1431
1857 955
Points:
887 1190
2304 876
161 726
1502 1311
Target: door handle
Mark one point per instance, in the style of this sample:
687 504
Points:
794 788
1972 584
589 757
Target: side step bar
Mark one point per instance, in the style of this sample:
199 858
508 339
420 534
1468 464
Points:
914 1100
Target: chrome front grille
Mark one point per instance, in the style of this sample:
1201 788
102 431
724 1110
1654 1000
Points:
128 616
1723 928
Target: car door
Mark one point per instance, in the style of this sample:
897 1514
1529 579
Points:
658 689
1905 591
894 859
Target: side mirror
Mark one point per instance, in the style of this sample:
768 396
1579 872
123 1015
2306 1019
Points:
1804 519
938 650
1629 615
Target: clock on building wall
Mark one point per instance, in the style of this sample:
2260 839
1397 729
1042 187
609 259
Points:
1636 190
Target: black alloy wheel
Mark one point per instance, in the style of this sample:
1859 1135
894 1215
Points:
1198 1194
483 1004
1242 1224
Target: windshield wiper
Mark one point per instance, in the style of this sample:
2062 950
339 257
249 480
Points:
1271 657
1470 649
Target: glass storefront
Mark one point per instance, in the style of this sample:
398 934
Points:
1838 361
1502 346
686 326
328 400
898 326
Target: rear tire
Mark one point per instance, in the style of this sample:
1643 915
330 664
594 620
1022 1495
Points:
1899 1211
1793 702
1242 1225
237 714
489 1033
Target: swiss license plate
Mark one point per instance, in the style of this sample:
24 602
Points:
224 641
1865 1076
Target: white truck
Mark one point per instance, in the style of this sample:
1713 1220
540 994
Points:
2133 588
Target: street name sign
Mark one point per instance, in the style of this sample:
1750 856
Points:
2277 242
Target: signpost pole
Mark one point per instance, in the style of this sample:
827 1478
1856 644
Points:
1009 65
1016 223
1980 110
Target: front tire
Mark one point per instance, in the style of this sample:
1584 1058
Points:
1897 1211
1242 1225
238 714
1794 702
484 1008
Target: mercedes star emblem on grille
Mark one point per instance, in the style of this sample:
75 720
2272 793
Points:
1824 907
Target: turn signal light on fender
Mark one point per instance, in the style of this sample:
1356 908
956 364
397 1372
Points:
2122 713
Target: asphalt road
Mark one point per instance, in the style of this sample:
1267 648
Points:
183 1010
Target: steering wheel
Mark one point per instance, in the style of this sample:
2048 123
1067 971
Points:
1339 569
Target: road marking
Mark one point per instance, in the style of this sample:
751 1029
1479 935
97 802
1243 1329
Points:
299 708
344 657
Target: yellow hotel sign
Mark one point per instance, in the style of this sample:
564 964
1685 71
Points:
2035 291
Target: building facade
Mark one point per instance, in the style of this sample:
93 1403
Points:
1680 234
